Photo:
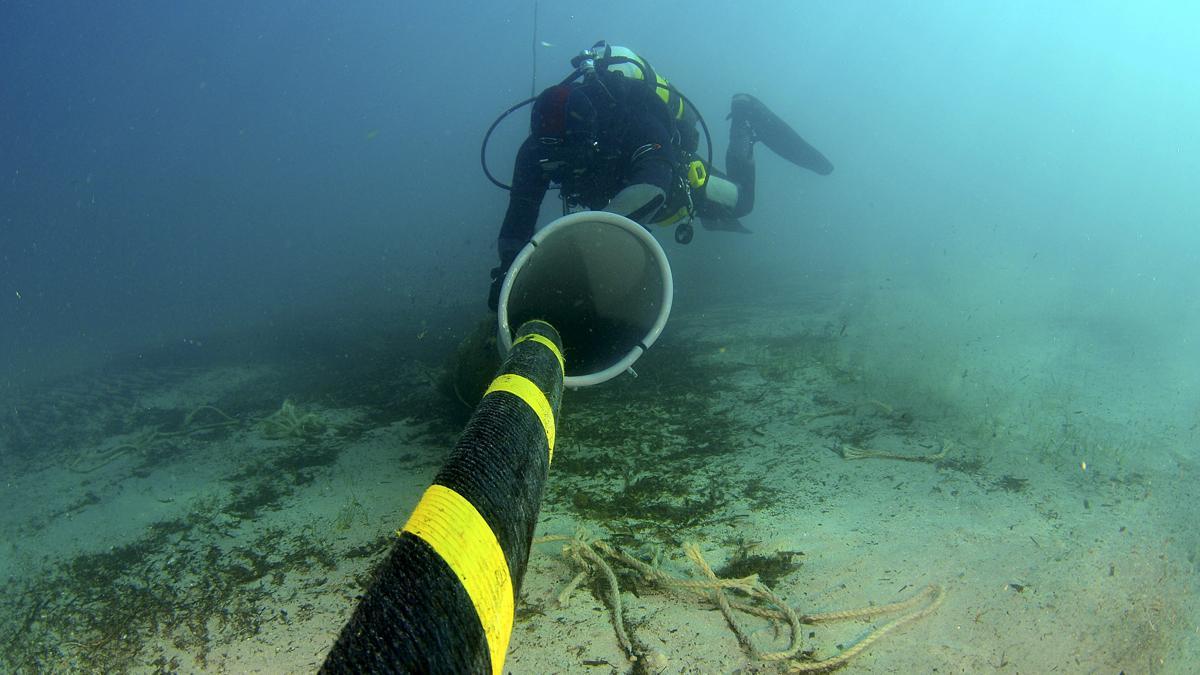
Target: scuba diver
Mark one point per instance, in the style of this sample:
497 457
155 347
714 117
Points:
617 136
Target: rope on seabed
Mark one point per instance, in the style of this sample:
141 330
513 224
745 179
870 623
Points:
146 438
594 556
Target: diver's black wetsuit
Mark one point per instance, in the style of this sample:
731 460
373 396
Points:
633 143
635 158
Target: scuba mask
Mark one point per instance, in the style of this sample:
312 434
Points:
563 114
565 122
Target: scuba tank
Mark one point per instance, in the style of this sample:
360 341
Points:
604 59
610 67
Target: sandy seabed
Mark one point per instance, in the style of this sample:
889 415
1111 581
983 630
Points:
848 454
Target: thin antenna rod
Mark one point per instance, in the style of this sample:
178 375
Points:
534 51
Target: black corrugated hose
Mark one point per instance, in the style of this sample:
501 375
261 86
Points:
443 599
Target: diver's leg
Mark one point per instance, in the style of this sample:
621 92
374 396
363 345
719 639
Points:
727 197
739 161
639 202
776 135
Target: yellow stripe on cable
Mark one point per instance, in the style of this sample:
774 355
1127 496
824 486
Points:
453 527
543 340
524 389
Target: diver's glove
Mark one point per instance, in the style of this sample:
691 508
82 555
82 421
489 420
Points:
494 291
508 252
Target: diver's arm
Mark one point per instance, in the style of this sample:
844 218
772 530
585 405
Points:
529 187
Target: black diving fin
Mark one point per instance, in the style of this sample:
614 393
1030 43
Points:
777 135
715 216
722 222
